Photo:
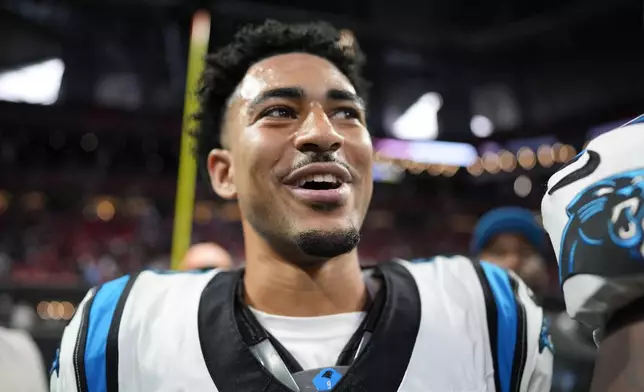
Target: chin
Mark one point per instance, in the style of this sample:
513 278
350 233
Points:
324 224
327 242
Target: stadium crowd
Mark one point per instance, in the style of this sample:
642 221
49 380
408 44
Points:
111 237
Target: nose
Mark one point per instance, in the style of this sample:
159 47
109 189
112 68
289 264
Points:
512 261
317 134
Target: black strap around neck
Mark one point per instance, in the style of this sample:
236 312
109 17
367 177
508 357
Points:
234 367
253 333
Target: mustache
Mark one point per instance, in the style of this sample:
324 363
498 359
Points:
320 158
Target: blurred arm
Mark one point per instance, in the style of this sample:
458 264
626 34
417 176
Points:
620 360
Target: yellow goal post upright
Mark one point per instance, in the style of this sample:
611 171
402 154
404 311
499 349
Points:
186 182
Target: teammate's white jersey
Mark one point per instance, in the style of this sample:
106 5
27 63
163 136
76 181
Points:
447 325
21 365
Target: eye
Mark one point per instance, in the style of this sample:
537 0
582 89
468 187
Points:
345 114
279 112
496 252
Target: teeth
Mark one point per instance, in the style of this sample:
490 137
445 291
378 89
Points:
330 178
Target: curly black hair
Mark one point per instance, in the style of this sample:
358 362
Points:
226 68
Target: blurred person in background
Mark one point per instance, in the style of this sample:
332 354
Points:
21 364
511 238
206 256
283 132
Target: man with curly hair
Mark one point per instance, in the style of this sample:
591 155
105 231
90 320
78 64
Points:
283 132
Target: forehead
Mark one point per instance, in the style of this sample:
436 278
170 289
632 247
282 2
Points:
509 240
311 73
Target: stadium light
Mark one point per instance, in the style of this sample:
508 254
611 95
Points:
36 84
427 152
420 120
481 126
522 186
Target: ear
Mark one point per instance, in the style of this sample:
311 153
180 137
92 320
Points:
222 174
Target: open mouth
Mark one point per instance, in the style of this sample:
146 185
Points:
320 182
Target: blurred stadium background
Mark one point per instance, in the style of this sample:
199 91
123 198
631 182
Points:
480 102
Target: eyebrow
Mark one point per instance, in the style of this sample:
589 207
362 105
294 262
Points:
297 93
344 95
282 92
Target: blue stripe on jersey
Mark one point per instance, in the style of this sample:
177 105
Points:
506 310
100 319
636 120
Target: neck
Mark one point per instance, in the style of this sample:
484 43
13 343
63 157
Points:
278 286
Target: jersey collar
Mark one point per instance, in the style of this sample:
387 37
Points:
381 367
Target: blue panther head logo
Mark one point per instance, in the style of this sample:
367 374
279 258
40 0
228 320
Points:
606 222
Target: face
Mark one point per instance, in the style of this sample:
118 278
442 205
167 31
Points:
510 251
298 156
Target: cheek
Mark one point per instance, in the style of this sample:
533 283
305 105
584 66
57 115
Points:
362 155
257 155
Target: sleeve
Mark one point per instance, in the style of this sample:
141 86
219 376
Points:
62 375
88 354
593 213
522 351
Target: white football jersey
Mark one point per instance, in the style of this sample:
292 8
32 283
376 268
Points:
447 325
21 366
